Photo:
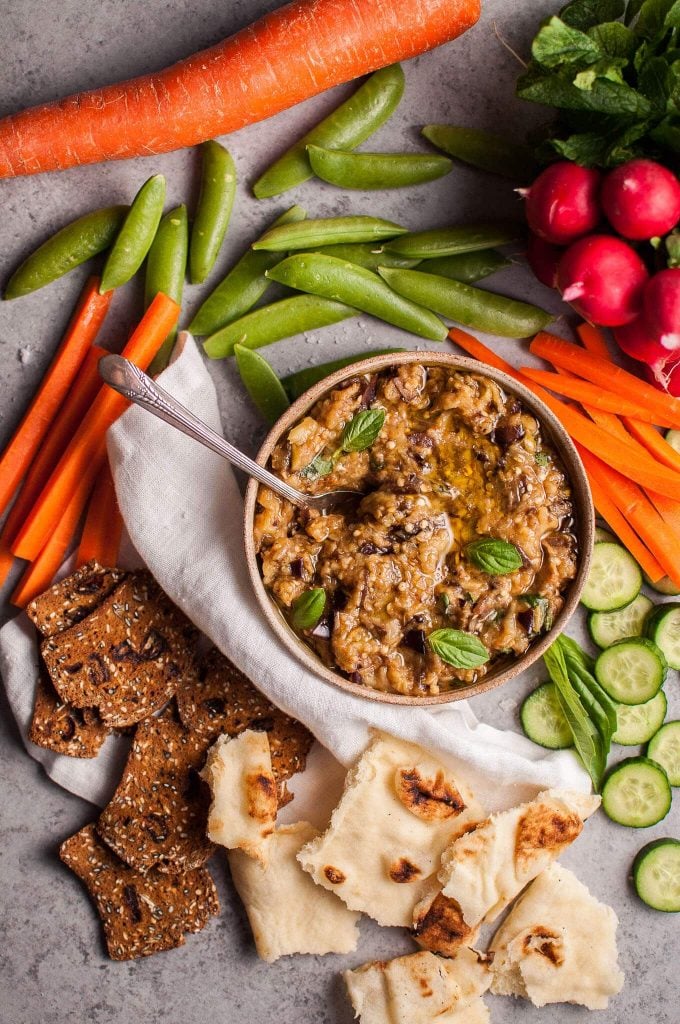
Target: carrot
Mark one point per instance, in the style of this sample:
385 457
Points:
607 375
669 511
82 330
652 440
103 527
591 394
86 452
6 562
593 340
285 57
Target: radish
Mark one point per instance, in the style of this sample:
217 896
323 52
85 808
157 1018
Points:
638 341
662 308
604 279
562 205
670 380
641 199
543 259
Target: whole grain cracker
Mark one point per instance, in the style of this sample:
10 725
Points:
73 598
76 732
141 914
127 656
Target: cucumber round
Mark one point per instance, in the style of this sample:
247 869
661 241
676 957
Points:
607 627
543 720
603 536
637 723
631 671
664 748
636 793
656 875
663 586
673 438
663 627
614 579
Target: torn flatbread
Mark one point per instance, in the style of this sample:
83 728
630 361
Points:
438 923
557 945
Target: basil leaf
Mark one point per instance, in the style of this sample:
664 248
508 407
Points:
318 467
584 14
586 738
497 557
462 650
557 43
362 430
308 608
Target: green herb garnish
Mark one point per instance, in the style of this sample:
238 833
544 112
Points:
308 608
542 458
496 557
462 650
358 434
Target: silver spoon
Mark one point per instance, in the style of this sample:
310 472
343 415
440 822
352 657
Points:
124 377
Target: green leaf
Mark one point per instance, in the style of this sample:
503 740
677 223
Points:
652 16
613 38
608 68
542 459
261 383
496 557
557 43
444 602
604 97
667 134
586 738
632 11
653 82
584 14
362 430
672 19
318 467
673 250
307 609
542 604
462 650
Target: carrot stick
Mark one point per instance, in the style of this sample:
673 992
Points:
285 57
86 451
652 440
103 527
607 375
591 394
669 511
6 562
82 330
593 340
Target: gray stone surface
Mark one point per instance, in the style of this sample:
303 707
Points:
53 966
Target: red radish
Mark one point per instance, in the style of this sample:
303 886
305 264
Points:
543 259
662 308
641 199
638 341
670 381
562 204
604 279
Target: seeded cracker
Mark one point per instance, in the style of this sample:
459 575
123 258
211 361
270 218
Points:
141 914
76 732
126 657
70 600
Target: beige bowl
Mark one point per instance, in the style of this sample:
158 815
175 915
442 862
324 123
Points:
583 514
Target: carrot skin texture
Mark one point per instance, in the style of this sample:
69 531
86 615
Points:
592 394
593 340
100 539
287 56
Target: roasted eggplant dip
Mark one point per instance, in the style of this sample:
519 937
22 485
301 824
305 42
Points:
458 549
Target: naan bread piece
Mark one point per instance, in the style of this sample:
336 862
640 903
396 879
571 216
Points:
400 809
485 869
557 945
243 787
420 988
438 923
287 912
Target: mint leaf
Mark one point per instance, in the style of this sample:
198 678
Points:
496 557
632 11
557 43
584 14
652 16
604 97
613 38
462 650
609 68
318 467
307 609
362 430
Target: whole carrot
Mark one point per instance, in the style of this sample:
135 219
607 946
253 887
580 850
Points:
287 56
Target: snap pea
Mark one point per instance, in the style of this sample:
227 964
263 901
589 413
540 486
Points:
426 245
376 170
215 203
473 307
68 248
242 287
309 234
166 266
278 320
297 383
359 288
370 255
347 126
485 150
467 267
136 234
261 383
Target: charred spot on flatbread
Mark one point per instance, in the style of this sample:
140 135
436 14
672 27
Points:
141 914
75 732
543 827
73 598
127 656
261 796
440 927
334 875
432 799
403 870
546 943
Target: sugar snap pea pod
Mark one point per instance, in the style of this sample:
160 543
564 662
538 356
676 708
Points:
215 203
366 254
467 267
68 248
467 305
242 287
309 234
376 170
347 126
424 245
136 235
166 266
261 383
297 383
359 288
485 150
271 323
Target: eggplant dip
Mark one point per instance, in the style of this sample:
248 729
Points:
458 550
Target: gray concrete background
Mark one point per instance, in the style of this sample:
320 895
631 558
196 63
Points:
54 969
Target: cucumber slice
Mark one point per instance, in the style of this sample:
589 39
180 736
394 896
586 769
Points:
614 579
663 627
607 627
632 670
673 438
637 723
664 748
636 793
656 875
663 586
543 720
603 536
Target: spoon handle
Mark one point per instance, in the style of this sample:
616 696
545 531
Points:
124 377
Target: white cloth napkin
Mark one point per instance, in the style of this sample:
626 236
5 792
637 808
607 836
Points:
183 511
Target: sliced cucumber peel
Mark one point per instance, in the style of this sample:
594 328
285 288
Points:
614 579
656 875
636 793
